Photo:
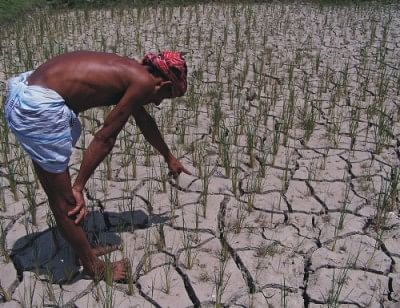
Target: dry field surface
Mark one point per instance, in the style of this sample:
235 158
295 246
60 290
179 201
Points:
290 127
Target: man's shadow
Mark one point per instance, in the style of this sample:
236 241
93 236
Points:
47 254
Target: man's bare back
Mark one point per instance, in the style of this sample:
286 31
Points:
87 79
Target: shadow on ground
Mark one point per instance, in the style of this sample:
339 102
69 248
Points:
47 254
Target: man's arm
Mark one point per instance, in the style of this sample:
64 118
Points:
150 131
103 142
152 134
101 145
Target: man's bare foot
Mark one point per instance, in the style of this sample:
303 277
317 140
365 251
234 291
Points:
117 271
99 251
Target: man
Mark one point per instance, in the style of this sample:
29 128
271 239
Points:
41 110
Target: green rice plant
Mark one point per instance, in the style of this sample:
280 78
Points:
187 242
317 62
334 126
133 161
386 200
3 243
160 242
216 116
109 296
250 201
5 294
354 123
237 125
196 237
103 179
26 298
147 154
181 132
244 72
338 282
382 131
51 223
205 180
130 278
221 278
394 190
193 99
166 278
150 191
264 152
288 118
382 89
286 172
251 142
238 42
218 63
2 195
147 256
284 295
225 150
309 123
11 165
276 138
49 293
235 177
290 75
345 203
163 177
30 193
241 215
31 199
174 196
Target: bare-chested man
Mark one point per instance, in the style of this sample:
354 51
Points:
41 110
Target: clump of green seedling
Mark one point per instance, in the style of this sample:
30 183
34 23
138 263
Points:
221 278
187 241
205 182
225 150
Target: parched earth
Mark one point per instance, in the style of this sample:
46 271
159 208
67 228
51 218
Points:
290 128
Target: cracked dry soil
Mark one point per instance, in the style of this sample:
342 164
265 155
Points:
291 130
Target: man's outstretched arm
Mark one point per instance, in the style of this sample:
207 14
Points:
101 145
152 134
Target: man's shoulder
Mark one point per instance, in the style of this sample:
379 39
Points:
138 76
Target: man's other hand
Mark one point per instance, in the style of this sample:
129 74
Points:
80 208
175 167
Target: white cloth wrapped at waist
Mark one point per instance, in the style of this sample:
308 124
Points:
44 125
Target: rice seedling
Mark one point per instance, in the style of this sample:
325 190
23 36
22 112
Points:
166 278
345 203
5 294
187 242
221 278
225 150
208 172
338 282
3 244
251 143
2 195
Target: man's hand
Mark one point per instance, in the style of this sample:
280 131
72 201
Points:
80 208
175 167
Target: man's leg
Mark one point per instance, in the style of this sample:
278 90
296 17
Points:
59 191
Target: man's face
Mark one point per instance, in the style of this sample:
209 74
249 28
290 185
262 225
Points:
157 102
163 93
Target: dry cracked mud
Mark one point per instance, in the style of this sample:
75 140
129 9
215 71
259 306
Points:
291 129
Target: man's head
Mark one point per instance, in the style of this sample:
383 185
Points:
170 66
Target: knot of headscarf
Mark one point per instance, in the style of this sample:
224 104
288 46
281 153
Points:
172 65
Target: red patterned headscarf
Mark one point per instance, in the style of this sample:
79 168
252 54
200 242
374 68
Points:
171 65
